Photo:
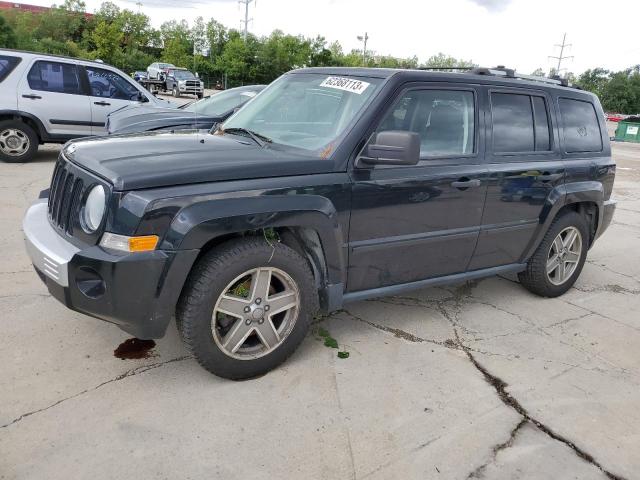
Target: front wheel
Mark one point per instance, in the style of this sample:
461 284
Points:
558 261
246 307
18 141
175 92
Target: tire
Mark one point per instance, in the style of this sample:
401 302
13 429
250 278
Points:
200 95
210 337
18 141
536 278
175 92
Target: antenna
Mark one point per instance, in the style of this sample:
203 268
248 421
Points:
561 56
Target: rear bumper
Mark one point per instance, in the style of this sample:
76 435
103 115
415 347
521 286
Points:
138 292
608 209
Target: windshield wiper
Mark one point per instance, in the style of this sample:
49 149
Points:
260 139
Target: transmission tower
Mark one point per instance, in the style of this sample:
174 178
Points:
564 45
246 20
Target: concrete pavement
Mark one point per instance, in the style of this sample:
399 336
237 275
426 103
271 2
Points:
481 380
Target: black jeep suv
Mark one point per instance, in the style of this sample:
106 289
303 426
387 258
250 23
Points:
333 185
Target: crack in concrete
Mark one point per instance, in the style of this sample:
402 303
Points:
479 472
128 373
499 385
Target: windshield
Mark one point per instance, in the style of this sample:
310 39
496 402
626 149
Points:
222 102
183 75
306 111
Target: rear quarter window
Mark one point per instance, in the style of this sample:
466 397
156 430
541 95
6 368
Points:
580 125
7 64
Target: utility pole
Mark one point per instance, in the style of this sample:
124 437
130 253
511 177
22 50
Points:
364 48
246 20
562 56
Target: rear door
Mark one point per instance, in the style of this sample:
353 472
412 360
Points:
410 223
52 91
525 166
109 91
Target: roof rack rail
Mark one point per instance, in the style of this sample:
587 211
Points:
501 71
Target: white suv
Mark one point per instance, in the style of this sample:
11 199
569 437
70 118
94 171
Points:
52 99
155 70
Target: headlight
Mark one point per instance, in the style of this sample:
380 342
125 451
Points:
94 208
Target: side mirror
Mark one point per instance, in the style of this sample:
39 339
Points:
393 147
142 97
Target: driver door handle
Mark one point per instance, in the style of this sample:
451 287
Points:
466 183
102 104
32 96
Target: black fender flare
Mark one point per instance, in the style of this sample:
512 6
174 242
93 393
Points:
199 223
560 197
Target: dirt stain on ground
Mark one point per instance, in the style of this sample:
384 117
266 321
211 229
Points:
135 348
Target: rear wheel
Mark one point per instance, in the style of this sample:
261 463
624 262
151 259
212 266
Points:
18 141
246 307
558 261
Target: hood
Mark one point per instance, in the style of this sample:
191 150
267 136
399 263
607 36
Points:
157 118
153 159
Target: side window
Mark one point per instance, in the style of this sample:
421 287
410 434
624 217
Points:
107 84
54 77
7 64
444 119
520 123
581 128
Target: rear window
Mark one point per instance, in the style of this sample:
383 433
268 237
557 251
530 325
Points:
7 64
54 77
581 127
520 123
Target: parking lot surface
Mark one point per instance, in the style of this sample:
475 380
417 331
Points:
481 380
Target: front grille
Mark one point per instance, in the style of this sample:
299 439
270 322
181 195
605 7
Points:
193 83
64 196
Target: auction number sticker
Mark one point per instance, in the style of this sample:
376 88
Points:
346 84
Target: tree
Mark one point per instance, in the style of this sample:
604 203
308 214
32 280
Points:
217 38
442 61
7 35
107 38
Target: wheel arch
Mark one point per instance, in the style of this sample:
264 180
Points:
31 120
585 198
309 225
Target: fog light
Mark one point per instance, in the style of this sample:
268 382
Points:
129 244
90 283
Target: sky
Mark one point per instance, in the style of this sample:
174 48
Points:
519 34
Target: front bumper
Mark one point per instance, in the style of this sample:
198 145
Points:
138 292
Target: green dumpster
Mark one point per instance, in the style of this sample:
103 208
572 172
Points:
629 130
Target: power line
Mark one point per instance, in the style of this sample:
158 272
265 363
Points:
562 56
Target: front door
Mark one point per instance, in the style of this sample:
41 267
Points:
52 92
410 223
524 158
109 92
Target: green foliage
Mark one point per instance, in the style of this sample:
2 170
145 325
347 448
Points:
7 35
127 40
618 91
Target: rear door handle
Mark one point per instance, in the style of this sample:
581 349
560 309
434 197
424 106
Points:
464 184
32 96
549 177
102 104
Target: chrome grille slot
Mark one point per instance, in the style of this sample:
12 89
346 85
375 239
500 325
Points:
64 196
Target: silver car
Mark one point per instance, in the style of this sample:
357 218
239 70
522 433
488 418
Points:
53 99
156 69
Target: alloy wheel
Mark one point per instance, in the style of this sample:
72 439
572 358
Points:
255 313
564 255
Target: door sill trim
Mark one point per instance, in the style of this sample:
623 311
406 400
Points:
431 282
